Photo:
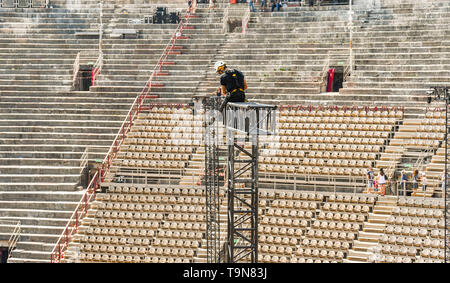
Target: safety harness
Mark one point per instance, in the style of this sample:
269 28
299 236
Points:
238 85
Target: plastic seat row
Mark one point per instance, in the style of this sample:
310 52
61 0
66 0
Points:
186 217
406 231
420 202
120 232
416 241
151 199
419 212
432 253
157 152
395 259
399 250
341 113
177 234
341 216
273 250
156 191
296 195
130 207
279 240
90 257
431 128
311 252
172 252
272 259
117 239
276 231
129 215
435 114
331 234
183 226
330 143
168 109
416 222
309 260
124 223
338 171
286 222
421 143
428 136
333 206
325 147
300 210
148 215
339 226
306 205
336 162
336 155
328 133
338 126
351 198
150 139
438 122
334 244
288 195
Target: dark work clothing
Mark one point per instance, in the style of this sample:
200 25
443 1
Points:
232 80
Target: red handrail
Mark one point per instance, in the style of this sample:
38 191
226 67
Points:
336 108
80 211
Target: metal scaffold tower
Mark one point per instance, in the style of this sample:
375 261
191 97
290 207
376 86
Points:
212 138
245 122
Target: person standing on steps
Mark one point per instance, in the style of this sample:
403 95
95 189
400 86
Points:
382 182
251 6
233 84
263 5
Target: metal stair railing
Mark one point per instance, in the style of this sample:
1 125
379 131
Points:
61 245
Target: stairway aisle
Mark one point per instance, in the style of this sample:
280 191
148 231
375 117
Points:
372 230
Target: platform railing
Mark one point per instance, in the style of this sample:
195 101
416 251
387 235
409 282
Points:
61 245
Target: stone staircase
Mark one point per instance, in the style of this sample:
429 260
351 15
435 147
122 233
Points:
41 146
401 50
372 230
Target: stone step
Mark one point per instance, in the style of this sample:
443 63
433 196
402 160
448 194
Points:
363 246
37 186
358 256
39 178
35 213
27 229
33 246
26 256
374 228
377 218
369 237
84 113
38 170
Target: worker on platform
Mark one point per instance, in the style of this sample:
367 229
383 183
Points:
233 84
